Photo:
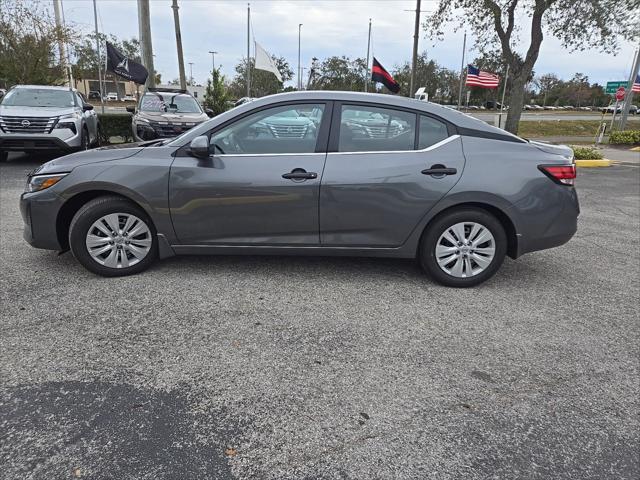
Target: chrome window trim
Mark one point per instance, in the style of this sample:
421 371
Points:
223 155
429 148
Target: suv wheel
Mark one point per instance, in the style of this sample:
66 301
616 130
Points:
463 248
84 139
113 237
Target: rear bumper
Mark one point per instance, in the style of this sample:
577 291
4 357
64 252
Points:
28 143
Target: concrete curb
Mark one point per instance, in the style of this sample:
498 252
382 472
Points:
594 163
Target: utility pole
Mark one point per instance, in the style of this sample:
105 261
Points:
248 50
366 80
176 21
144 28
190 73
629 93
61 49
299 70
213 61
101 88
414 60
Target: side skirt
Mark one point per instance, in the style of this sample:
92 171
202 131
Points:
400 252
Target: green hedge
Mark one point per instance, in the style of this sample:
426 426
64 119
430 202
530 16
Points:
586 153
115 125
627 137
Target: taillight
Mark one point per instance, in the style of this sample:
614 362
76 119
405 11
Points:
563 174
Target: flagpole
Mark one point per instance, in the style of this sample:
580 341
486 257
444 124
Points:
366 80
464 47
504 90
629 93
95 19
248 50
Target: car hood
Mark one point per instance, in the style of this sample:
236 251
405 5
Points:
20 111
562 150
69 162
173 117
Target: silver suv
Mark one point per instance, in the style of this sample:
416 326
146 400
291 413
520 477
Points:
46 118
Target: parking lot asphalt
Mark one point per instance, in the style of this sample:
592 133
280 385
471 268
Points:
325 368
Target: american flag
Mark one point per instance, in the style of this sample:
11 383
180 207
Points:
635 88
478 78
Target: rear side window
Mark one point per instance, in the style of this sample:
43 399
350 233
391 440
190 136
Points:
431 132
371 129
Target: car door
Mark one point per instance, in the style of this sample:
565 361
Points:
261 183
386 168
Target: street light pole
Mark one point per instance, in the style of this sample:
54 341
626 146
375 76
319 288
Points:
190 73
299 71
176 21
213 61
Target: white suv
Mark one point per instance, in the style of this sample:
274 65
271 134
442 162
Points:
45 118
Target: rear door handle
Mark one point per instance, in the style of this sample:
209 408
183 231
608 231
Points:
299 174
438 170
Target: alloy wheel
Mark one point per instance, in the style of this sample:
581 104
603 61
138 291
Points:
465 249
118 240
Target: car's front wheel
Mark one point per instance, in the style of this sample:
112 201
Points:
113 237
463 247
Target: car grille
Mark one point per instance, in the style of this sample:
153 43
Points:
383 132
166 130
288 131
27 124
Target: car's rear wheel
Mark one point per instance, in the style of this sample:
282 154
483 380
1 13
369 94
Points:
463 247
113 237
84 140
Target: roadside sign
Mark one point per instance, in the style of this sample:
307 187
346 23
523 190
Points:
612 87
620 94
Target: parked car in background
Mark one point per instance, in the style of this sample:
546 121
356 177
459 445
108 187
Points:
111 97
93 95
45 118
165 113
129 98
378 175
492 105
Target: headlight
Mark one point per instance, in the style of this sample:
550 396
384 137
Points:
74 116
42 182
141 120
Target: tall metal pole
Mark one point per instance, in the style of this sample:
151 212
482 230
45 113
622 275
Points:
213 61
61 49
504 91
190 73
144 27
299 70
464 47
629 94
366 79
64 24
176 21
414 60
248 50
95 19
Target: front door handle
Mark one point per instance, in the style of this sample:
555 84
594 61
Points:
299 174
438 170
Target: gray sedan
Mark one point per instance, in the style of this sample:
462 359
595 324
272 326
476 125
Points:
312 173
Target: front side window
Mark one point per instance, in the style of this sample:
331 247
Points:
285 129
371 129
157 102
431 132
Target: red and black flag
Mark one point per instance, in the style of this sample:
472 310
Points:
379 74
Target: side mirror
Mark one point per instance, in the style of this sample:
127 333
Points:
199 147
131 109
86 107
210 113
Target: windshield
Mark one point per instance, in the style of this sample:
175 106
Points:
172 103
39 97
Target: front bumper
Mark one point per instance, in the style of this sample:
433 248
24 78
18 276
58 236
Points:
39 212
39 142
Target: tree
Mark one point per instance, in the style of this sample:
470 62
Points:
579 25
28 44
216 94
439 82
262 82
340 73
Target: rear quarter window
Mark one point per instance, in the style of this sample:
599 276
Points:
431 131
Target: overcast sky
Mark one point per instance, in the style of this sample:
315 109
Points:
337 27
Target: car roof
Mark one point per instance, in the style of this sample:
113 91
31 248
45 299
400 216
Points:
457 118
46 87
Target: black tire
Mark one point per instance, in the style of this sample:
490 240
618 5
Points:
4 156
427 252
84 140
96 144
93 211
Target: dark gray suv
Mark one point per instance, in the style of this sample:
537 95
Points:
312 173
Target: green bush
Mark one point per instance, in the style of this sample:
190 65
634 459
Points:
115 125
586 153
627 137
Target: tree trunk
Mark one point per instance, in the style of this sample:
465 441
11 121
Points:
516 101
